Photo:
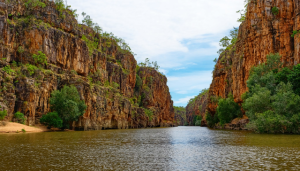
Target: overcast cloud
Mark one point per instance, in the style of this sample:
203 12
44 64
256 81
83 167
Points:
182 35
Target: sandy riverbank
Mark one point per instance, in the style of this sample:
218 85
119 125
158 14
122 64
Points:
12 127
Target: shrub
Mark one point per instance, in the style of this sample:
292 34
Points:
67 104
52 120
227 110
74 72
211 120
116 85
149 113
20 117
31 69
40 58
34 3
23 130
8 70
3 114
198 123
275 10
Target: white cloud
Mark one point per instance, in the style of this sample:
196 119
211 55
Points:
188 83
183 100
154 27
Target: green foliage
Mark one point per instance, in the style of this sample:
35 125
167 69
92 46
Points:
74 72
3 114
227 42
34 3
272 102
67 104
20 117
92 45
31 69
198 123
14 64
275 10
243 12
294 33
293 78
211 120
149 64
138 82
149 113
8 70
193 100
224 42
40 58
227 110
52 120
20 49
115 85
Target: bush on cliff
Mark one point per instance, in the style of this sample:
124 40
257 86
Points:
3 114
228 109
20 117
272 102
52 120
67 104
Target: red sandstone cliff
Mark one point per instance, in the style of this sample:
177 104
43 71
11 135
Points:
260 34
197 107
105 76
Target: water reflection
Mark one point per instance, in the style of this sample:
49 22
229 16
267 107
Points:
181 148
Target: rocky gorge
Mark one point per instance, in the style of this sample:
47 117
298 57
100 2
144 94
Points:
117 92
263 31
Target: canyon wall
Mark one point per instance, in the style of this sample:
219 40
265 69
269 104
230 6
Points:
263 32
104 74
180 116
197 107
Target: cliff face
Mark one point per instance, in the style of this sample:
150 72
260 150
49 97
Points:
103 73
260 34
180 116
197 107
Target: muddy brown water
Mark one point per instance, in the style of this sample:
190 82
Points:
180 148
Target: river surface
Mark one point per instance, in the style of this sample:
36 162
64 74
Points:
180 148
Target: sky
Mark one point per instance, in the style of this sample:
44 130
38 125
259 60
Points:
181 35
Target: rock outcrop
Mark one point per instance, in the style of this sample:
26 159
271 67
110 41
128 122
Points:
104 73
197 107
263 32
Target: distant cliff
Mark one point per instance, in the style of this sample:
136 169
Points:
180 116
104 73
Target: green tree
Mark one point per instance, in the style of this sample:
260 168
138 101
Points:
228 109
272 103
294 78
67 104
211 119
225 41
52 120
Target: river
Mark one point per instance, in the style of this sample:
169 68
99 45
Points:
179 148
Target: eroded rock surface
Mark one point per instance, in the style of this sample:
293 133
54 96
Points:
105 75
